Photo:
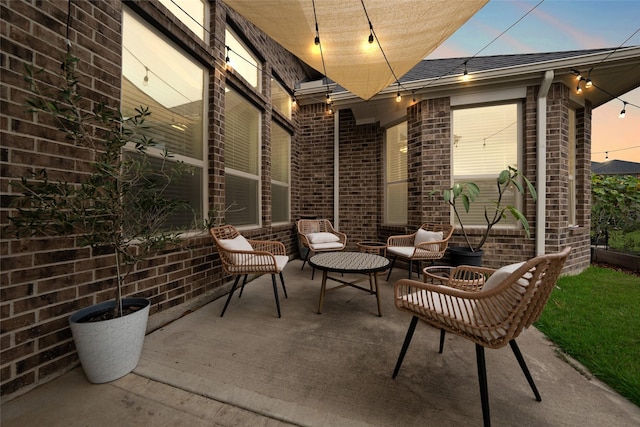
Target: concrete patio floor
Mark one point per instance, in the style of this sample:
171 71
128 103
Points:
250 368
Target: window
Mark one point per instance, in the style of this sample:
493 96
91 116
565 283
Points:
486 140
280 99
242 160
572 167
280 149
242 61
396 193
156 74
190 12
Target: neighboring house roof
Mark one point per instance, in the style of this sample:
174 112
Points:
615 167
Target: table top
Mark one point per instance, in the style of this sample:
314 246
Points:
349 262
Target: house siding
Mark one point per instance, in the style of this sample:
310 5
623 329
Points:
44 280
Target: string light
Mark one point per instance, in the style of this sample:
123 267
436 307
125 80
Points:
588 84
578 88
465 75
145 80
328 96
370 33
227 60
624 110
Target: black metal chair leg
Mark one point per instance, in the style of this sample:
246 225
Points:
306 258
410 267
484 389
244 282
523 366
442 333
283 288
393 261
405 344
275 292
233 288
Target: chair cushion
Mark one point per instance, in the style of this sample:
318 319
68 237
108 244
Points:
325 246
502 273
322 237
238 243
401 251
458 313
424 236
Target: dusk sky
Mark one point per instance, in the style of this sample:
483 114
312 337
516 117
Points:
557 25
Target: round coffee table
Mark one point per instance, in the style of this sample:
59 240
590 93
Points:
349 262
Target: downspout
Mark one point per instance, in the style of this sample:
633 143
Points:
541 159
336 169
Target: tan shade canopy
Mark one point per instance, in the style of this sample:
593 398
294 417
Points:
408 30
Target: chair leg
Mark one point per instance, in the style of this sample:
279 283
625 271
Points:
410 267
306 257
442 333
244 282
233 288
484 389
283 288
275 292
523 365
393 261
405 344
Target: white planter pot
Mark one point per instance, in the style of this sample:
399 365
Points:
110 349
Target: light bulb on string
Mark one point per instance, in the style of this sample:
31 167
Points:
370 33
588 84
465 75
624 110
227 60
328 98
145 80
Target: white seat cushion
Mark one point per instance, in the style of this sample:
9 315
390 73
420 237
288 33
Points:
455 312
325 246
401 251
322 237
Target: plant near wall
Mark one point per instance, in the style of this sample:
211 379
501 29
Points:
120 204
468 192
615 206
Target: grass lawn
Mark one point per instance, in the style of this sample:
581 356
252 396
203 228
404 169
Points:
595 318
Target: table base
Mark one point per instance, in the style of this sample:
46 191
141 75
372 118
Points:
373 288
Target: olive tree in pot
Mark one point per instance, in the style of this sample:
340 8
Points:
119 206
507 180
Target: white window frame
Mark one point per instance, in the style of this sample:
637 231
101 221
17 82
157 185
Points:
282 184
485 199
390 184
242 61
257 177
156 76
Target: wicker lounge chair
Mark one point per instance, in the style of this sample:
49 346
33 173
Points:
512 298
428 243
318 235
241 257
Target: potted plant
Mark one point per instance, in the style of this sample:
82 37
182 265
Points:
117 206
468 192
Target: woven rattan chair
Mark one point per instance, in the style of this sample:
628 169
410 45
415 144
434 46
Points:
241 257
512 298
318 235
428 243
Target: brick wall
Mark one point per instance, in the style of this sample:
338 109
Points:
44 280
